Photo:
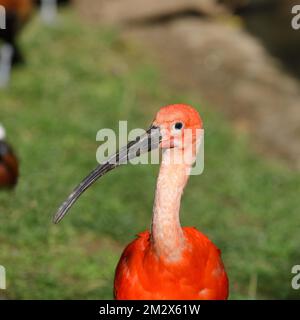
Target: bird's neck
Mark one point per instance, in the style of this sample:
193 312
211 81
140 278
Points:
166 232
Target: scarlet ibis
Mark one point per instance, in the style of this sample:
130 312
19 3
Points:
9 168
168 262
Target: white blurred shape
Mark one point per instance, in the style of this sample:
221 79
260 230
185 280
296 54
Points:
2 132
48 11
6 55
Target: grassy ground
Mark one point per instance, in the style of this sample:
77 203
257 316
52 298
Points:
78 80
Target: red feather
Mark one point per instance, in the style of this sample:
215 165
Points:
199 274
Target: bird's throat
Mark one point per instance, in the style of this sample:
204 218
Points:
166 234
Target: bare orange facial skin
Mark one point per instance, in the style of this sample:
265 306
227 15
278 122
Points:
181 113
168 116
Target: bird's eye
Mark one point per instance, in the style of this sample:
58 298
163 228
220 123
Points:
178 126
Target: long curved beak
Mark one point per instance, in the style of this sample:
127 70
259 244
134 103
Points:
144 143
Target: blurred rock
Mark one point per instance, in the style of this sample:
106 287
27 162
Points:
218 60
130 11
270 21
231 70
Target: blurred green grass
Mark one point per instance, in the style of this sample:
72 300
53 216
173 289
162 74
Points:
77 80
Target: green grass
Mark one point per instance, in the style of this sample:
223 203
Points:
77 80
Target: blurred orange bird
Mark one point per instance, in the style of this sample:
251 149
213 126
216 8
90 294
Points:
9 166
168 262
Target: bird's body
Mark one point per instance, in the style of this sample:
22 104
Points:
199 275
167 262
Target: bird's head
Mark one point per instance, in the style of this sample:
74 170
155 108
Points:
168 131
178 124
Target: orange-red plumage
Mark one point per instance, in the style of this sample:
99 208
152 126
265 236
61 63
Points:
199 274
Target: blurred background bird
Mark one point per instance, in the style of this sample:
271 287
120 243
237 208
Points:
9 167
17 13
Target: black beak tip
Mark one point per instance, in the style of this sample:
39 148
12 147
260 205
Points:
58 216
55 220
